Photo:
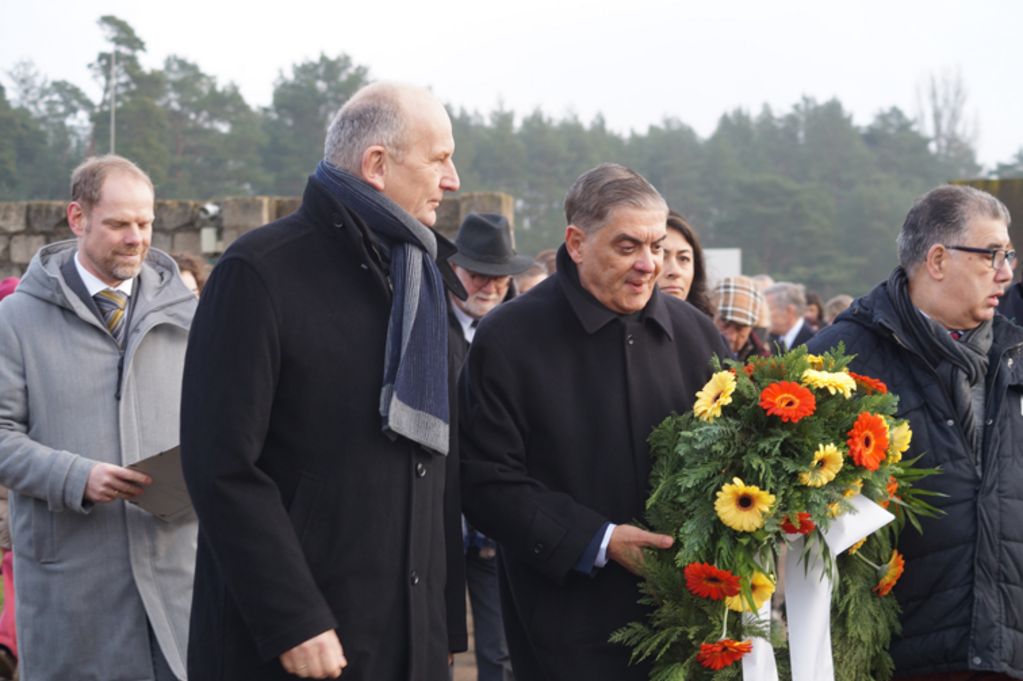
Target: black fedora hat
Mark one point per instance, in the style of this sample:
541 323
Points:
484 245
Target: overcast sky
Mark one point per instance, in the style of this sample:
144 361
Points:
635 61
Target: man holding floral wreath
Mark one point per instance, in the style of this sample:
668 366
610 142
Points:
558 395
930 332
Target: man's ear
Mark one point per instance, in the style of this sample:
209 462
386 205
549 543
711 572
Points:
937 262
76 218
374 166
574 239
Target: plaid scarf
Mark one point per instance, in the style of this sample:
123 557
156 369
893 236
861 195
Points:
414 397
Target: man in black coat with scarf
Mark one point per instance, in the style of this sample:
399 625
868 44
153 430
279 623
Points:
559 393
930 332
316 404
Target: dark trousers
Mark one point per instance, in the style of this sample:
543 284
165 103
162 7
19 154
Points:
492 660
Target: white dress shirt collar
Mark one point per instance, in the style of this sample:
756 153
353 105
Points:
94 285
467 322
790 337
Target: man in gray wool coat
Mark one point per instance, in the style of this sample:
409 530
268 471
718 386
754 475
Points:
92 345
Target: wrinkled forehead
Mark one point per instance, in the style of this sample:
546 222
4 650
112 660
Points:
987 232
648 223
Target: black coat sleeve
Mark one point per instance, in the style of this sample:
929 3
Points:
231 370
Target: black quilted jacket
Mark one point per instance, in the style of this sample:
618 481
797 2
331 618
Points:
962 591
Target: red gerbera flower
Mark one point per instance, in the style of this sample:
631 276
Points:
806 525
749 370
722 653
788 401
868 441
871 385
707 581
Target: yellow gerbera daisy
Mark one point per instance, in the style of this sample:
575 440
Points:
742 507
832 381
715 395
855 488
762 587
858 545
827 461
815 361
899 438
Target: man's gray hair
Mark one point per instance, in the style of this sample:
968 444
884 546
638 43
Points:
598 191
375 115
88 178
786 293
941 216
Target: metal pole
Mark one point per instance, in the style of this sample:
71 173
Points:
113 100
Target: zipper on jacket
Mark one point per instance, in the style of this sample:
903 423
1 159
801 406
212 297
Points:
120 376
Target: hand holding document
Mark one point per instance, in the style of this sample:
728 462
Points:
167 497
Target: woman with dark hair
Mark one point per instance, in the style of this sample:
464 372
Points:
194 271
685 273
814 315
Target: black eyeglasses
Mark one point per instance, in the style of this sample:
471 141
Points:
999 256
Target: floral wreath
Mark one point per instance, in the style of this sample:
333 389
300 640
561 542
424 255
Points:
773 450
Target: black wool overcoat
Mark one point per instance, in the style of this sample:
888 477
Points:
558 396
310 518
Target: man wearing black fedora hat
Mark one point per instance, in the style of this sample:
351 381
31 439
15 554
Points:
485 263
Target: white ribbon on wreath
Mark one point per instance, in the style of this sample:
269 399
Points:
808 600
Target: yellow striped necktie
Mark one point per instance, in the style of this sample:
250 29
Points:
113 305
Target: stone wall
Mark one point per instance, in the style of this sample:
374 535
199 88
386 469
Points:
27 226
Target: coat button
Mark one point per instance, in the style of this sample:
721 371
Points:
989 422
420 470
950 423
630 339
976 660
538 548
413 578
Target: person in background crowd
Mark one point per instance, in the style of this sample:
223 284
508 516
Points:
762 329
485 264
194 271
930 333
548 258
559 393
8 633
738 302
315 435
530 278
1011 304
814 314
685 273
787 302
90 382
835 306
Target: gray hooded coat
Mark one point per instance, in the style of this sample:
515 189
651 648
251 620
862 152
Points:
89 576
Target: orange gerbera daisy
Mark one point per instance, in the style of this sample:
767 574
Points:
805 526
868 441
891 488
788 401
707 581
891 571
870 385
722 653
